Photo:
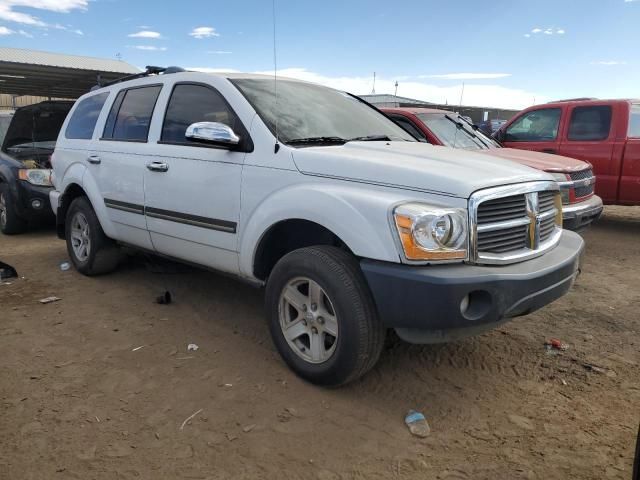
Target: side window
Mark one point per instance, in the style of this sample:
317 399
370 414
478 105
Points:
191 103
590 123
634 121
409 127
130 115
84 118
535 126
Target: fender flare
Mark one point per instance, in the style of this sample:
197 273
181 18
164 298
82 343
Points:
76 174
334 207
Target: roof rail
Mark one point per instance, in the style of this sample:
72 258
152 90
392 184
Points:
579 99
149 70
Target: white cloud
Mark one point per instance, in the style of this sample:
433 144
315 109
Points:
8 13
608 62
25 34
6 31
546 31
486 95
467 76
219 52
150 48
204 32
145 34
66 28
144 27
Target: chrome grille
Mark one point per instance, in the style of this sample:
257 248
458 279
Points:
514 223
584 182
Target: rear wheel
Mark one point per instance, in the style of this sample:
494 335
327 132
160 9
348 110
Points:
10 222
90 250
322 317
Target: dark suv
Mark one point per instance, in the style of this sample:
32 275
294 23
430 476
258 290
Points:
25 166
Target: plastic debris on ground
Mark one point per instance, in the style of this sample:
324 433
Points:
192 347
7 271
417 424
64 266
553 346
50 300
164 299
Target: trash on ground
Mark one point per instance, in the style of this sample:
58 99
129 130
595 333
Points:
417 424
190 417
50 300
601 370
192 347
555 344
137 348
64 266
164 299
7 271
248 428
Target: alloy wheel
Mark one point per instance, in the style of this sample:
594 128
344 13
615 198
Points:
308 320
80 239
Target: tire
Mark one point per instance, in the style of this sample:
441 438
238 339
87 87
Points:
10 222
345 300
82 228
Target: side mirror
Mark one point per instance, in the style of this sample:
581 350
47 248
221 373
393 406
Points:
214 133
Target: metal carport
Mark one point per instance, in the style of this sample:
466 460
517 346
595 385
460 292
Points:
55 75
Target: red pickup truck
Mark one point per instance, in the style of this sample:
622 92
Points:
575 178
605 133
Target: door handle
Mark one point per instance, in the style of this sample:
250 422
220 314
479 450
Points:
548 150
157 166
95 159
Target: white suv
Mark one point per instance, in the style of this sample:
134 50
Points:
352 225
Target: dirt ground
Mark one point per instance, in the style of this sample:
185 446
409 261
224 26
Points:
99 384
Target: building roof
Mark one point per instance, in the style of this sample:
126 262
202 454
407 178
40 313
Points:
33 72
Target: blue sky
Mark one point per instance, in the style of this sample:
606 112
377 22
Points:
507 53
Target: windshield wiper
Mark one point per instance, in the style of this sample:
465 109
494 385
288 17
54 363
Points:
371 138
460 125
317 140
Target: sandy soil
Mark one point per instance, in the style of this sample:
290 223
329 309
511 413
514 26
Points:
98 385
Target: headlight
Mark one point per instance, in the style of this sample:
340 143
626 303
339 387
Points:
564 189
41 177
432 233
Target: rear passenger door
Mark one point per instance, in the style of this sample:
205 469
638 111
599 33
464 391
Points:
589 137
192 202
537 130
118 158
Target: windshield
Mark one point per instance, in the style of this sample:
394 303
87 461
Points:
454 131
305 111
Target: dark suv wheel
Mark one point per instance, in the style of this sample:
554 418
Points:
90 250
321 315
10 222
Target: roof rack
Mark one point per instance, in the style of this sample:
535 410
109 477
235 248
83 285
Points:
149 70
579 99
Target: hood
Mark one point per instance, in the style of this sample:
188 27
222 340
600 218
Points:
542 161
413 165
36 123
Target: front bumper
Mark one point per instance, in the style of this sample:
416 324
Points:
32 202
425 304
579 216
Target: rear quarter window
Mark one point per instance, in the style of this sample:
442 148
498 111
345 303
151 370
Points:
634 121
85 116
590 123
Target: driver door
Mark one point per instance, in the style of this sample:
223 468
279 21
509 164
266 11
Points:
537 130
192 190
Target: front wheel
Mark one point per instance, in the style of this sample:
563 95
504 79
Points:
10 222
321 315
90 250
